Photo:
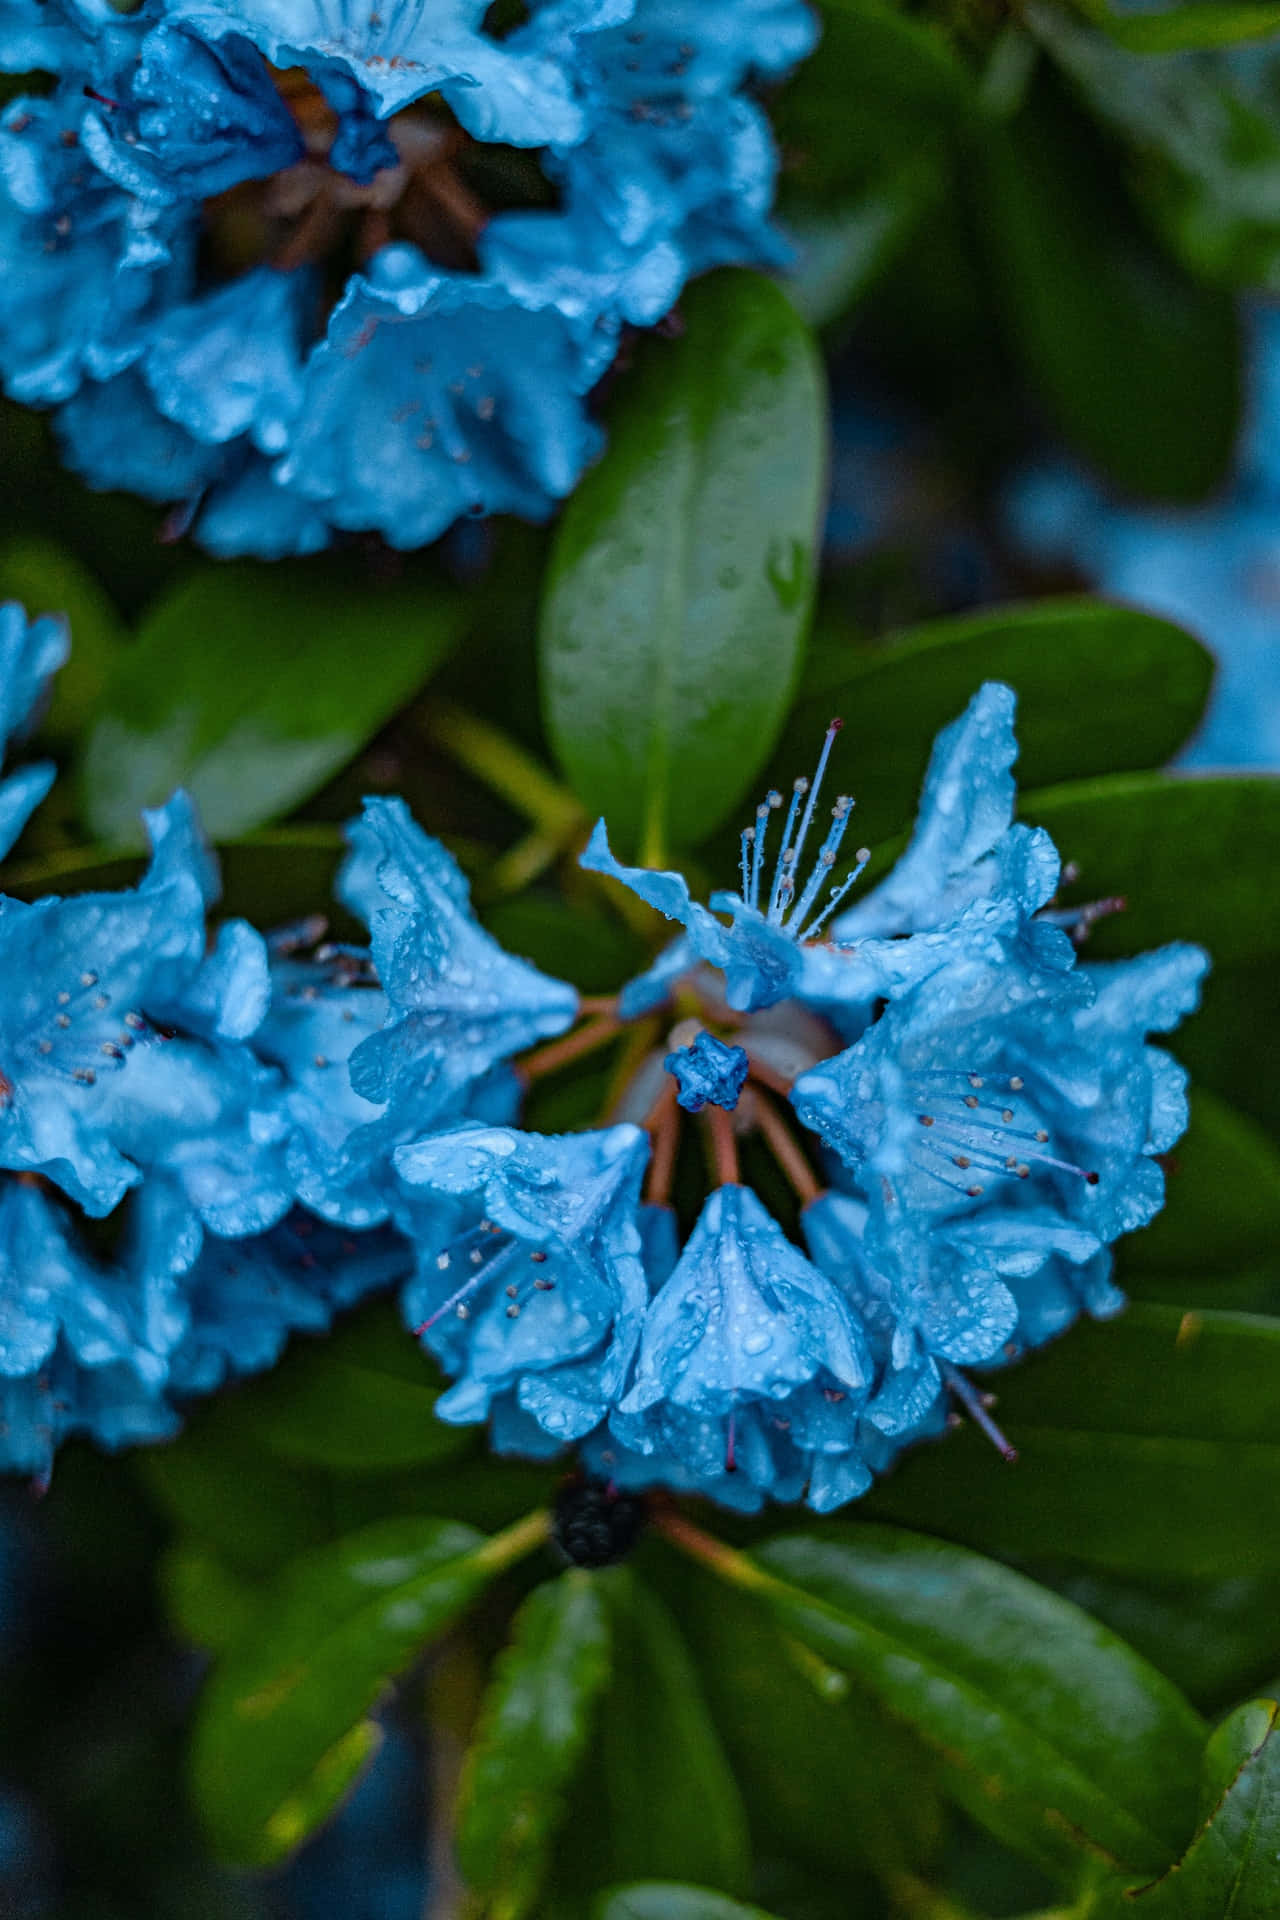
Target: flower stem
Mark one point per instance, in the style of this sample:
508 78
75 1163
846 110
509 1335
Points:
559 1053
514 1542
724 1148
724 1561
664 1127
786 1149
492 756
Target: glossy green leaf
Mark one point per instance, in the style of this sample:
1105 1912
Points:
48 578
250 686
362 1399
1223 1205
657 1795
1048 1729
682 573
1214 1638
328 1636
1150 1444
669 1900
534 1726
1100 688
1139 364
1195 859
1230 1868
674 1804
828 1777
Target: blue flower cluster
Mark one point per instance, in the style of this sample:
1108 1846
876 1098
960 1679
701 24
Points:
285 1127
231 1105
1214 568
356 264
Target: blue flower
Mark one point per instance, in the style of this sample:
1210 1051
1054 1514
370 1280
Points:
81 1349
237 1301
707 1071
773 916
458 1006
968 880
499 89
385 352
537 1303
86 267
437 394
750 1362
31 651
1003 1127
187 120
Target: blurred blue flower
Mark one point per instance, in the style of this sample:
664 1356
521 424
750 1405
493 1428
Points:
1215 569
538 1300
82 1349
362 342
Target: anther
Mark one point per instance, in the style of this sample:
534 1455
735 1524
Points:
88 979
1016 1083
971 1099
974 1193
513 1311
925 1119
63 997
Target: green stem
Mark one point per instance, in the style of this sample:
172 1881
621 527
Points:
724 1561
505 767
514 1542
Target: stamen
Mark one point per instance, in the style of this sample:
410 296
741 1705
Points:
840 815
459 1298
663 1125
815 789
975 1405
862 859
799 788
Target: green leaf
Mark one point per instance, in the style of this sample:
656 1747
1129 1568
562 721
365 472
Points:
1099 687
534 1726
1195 859
227 1494
682 573
1048 1729
1230 1867
208 1603
1220 1046
844 249
279 1720
1208 136
250 686
1223 1206
669 1900
657 1795
1181 29
828 1777
675 1807
1150 1444
570 941
47 578
913 96
364 1399
1139 364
